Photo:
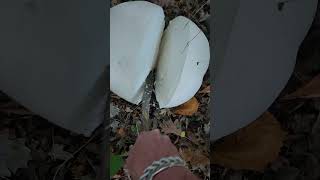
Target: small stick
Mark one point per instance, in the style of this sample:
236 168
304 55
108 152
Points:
146 102
316 125
72 156
197 10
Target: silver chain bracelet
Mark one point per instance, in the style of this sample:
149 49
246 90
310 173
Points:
160 165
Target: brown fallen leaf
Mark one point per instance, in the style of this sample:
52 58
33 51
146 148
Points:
205 90
121 132
115 2
252 147
78 170
310 90
192 137
162 3
188 108
169 127
195 157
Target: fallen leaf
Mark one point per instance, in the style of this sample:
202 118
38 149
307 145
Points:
193 138
310 90
195 157
57 152
183 134
137 127
251 147
205 17
114 110
13 154
128 110
78 170
115 2
188 108
205 90
116 162
114 125
121 132
117 177
165 112
162 3
206 128
169 127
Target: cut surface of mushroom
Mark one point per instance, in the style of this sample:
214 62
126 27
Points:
135 33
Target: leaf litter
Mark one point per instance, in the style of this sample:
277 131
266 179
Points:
32 148
13 154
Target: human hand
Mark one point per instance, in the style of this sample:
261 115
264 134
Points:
149 147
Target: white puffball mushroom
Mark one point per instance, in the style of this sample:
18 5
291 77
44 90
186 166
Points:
135 33
183 61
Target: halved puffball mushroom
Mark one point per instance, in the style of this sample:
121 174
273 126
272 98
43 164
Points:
136 31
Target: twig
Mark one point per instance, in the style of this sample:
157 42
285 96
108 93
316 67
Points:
197 10
146 102
316 125
52 144
72 156
194 12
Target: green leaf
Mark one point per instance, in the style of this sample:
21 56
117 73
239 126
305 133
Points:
116 162
136 127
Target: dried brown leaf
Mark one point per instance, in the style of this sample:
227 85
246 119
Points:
121 132
13 154
169 127
205 90
57 152
188 108
310 90
78 170
128 110
192 137
252 147
195 157
162 3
